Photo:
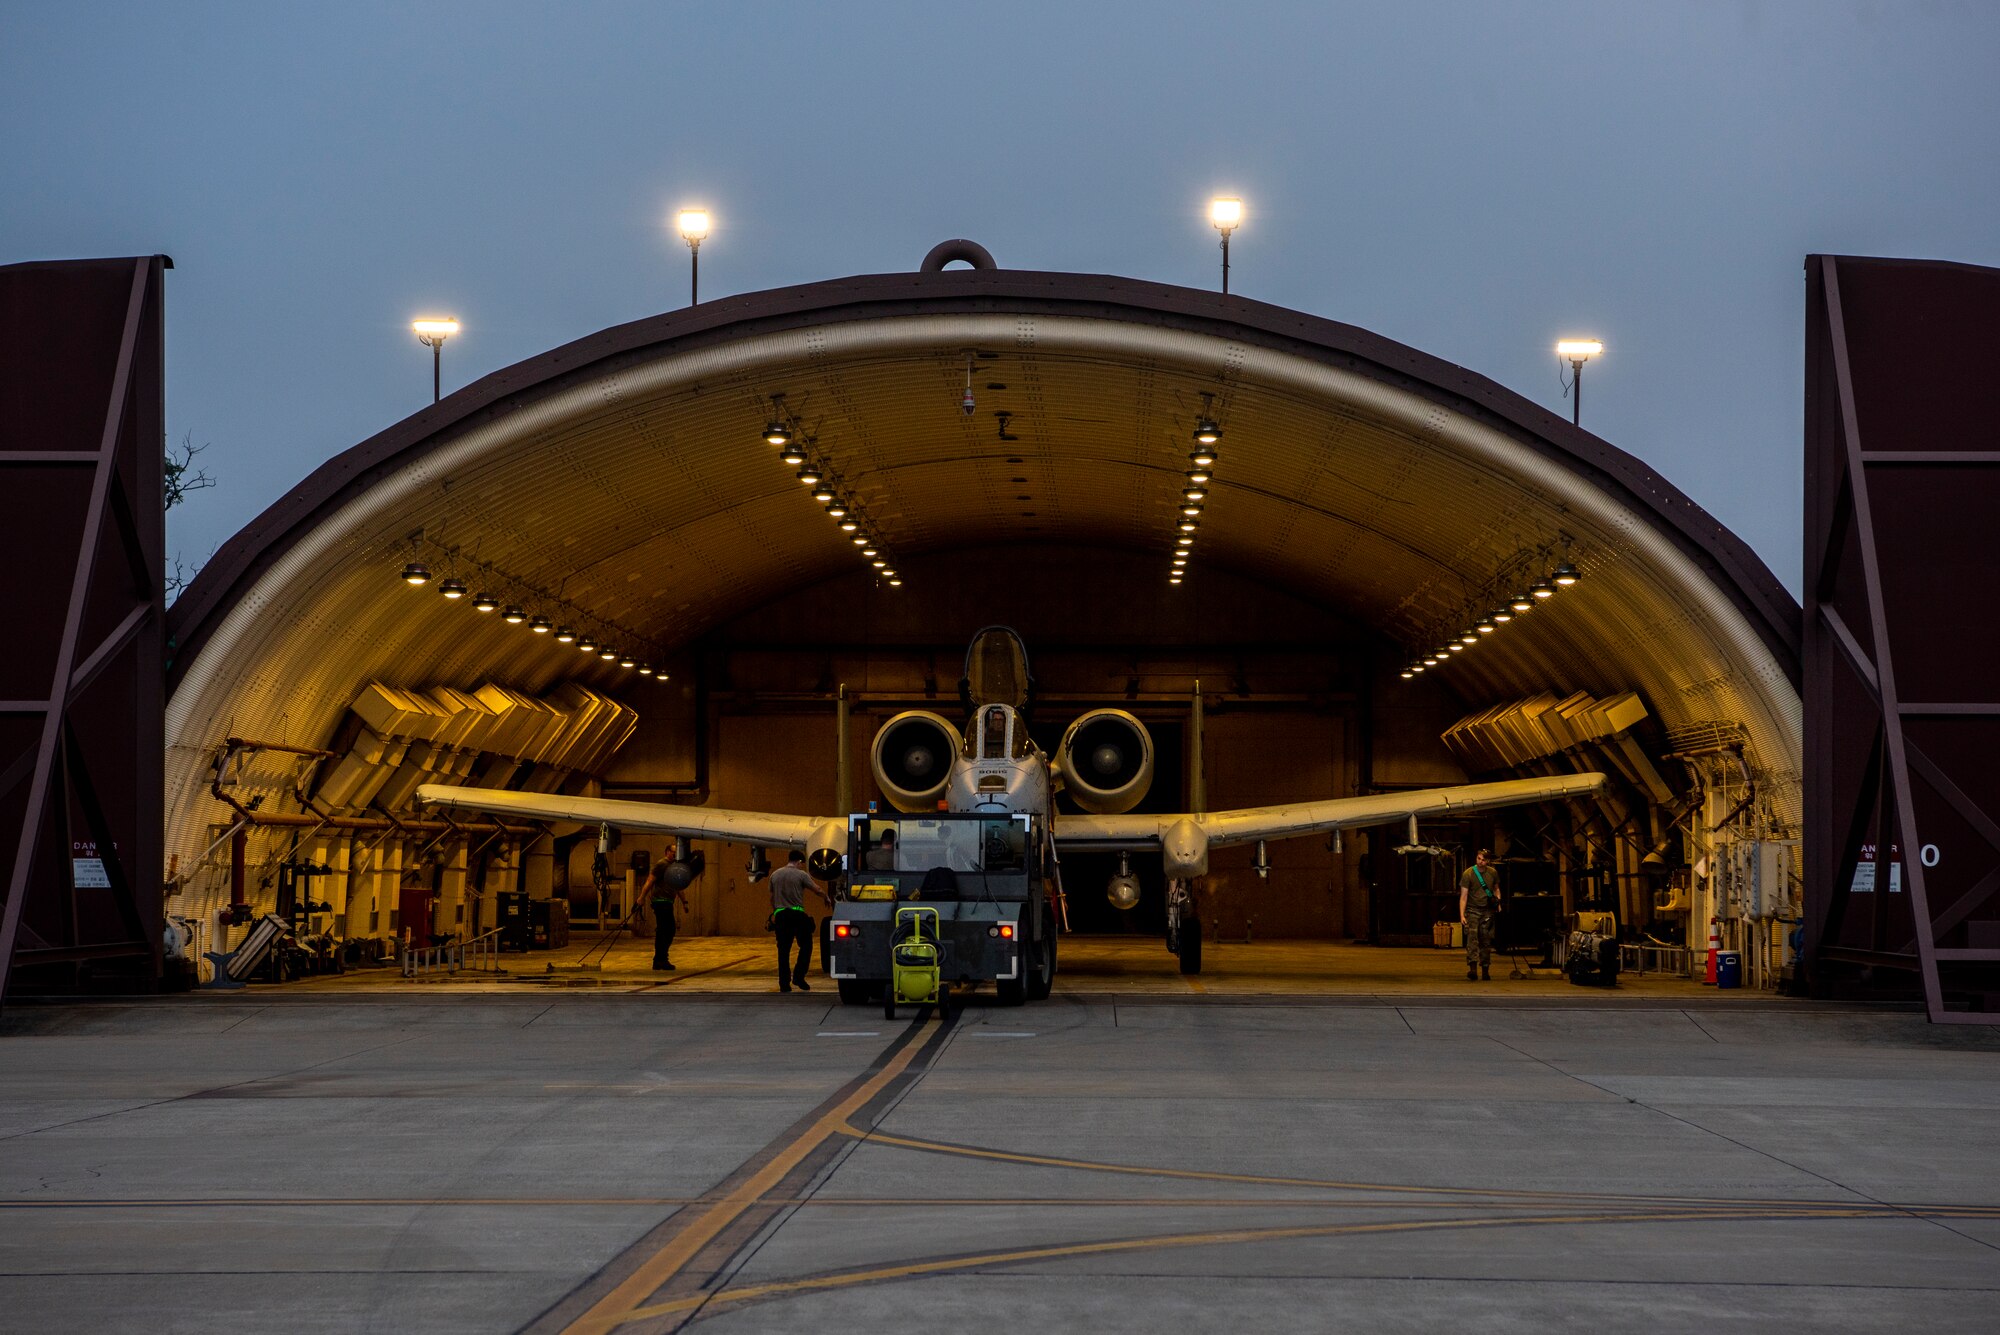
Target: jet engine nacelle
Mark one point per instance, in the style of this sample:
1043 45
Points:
912 759
1106 761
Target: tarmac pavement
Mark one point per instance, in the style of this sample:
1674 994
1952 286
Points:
448 1160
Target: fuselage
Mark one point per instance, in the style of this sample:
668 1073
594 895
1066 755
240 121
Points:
1000 769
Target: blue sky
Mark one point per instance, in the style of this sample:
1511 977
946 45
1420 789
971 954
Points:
1472 179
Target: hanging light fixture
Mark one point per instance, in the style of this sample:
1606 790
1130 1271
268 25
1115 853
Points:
793 456
513 616
564 635
645 669
485 602
1565 574
1485 626
809 476
628 661
1189 525
1206 432
587 645
1184 540
1191 510
1543 589
1202 456
1199 476
879 563
777 433
415 573
1502 614
895 583
823 494
838 510
848 526
1194 495
865 543
1407 674
608 655
540 625
453 589
1522 603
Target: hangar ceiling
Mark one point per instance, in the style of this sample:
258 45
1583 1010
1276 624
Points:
626 473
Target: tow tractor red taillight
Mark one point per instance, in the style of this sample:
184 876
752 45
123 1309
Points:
842 929
1007 930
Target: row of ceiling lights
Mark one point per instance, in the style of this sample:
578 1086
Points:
1562 577
416 574
1194 496
784 433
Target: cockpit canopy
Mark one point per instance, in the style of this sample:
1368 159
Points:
997 733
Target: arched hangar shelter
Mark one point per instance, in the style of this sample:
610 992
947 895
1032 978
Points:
1017 445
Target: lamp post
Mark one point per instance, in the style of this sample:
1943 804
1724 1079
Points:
432 333
1579 351
1226 214
694 226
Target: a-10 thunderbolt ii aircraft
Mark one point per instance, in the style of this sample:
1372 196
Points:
923 764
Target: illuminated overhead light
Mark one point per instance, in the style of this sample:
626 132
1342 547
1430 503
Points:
777 433
1468 639
587 645
1184 540
794 457
1189 525
823 494
839 511
693 224
1206 432
1579 349
848 526
415 573
1180 558
1198 477
453 589
540 625
809 476
1225 212
564 635
1522 603
1543 589
1204 457
865 543
1191 510
1431 661
608 655
1457 648
1194 495
645 669
485 602
1565 574
1503 614
1173 579
428 330
1484 627
628 661
513 616
895 583
879 563
1407 674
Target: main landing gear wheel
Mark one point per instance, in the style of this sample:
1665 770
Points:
1189 945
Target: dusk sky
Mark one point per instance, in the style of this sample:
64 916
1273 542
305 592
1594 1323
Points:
1472 179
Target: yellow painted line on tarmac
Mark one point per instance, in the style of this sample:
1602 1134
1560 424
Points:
1228 1237
616 1307
1197 1175
1194 982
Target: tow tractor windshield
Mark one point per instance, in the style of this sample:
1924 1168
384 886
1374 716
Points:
918 853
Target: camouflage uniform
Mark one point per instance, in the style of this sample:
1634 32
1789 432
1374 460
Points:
1480 897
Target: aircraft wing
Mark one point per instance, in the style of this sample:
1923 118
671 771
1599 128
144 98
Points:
1136 833
762 828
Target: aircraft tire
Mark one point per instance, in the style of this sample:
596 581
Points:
1190 944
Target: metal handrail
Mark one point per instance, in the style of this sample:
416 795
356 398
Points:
481 954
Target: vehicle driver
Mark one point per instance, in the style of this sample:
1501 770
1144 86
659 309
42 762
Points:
882 857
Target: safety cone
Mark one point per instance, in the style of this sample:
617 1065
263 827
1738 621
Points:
1714 946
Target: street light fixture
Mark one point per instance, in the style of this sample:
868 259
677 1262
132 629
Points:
1226 214
694 226
1579 351
432 332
